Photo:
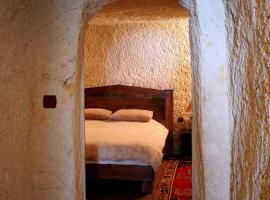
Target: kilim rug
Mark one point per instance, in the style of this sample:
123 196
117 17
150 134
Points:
175 182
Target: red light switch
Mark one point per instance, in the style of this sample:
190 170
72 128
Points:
49 101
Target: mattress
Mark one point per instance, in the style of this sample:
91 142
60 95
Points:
120 162
120 142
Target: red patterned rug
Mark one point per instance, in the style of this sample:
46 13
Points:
175 182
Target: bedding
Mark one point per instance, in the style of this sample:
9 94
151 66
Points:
97 113
132 115
140 142
122 162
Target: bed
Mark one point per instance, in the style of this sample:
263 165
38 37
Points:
117 97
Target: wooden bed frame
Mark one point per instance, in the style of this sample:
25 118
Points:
115 97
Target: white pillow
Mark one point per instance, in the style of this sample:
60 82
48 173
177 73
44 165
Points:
97 113
132 115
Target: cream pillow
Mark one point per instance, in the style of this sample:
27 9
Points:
97 113
132 115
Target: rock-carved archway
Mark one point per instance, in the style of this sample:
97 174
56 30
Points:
201 129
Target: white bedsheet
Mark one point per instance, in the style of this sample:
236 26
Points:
141 142
122 162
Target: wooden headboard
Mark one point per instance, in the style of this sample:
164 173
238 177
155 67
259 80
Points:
115 97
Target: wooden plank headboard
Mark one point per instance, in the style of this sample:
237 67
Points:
115 97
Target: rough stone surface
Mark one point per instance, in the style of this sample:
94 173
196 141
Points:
211 124
140 52
249 42
41 154
198 186
137 10
39 41
40 149
15 101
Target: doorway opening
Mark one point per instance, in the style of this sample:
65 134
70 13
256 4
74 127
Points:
142 49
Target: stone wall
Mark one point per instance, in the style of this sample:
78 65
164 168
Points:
211 111
39 46
249 35
141 52
15 101
41 151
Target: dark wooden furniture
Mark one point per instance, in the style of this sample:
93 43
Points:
117 97
186 143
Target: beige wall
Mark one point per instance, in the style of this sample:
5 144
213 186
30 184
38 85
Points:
15 101
39 42
211 110
152 54
40 155
250 72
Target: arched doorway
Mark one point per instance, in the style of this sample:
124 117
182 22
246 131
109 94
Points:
160 40
208 115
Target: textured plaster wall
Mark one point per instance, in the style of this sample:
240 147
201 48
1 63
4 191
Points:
153 54
40 149
15 101
250 93
39 44
55 155
212 122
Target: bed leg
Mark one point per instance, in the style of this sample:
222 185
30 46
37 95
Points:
147 187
